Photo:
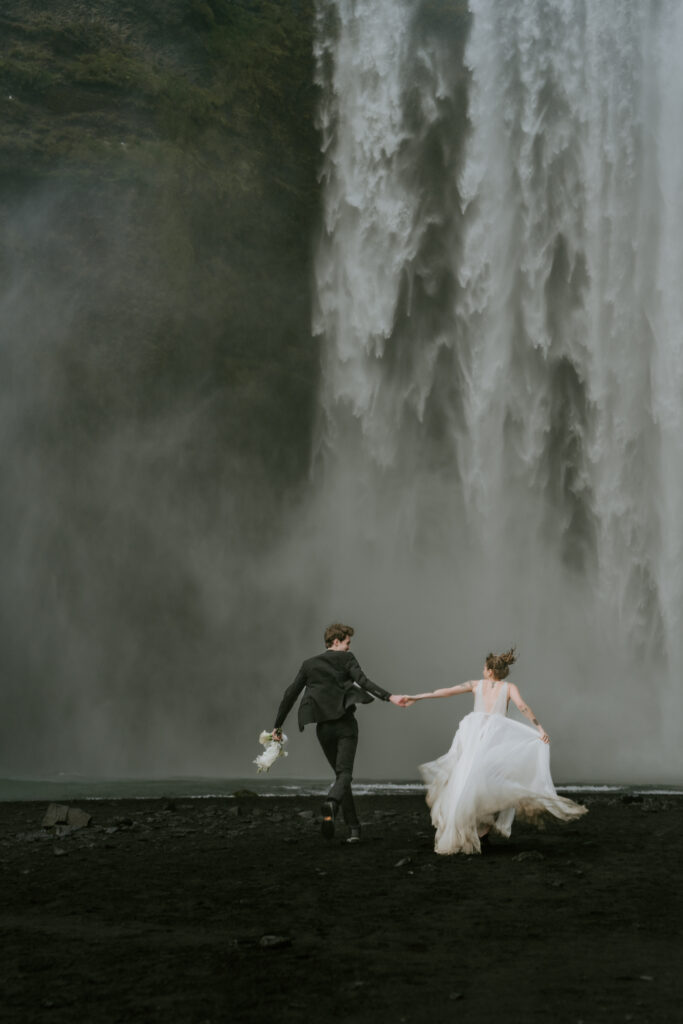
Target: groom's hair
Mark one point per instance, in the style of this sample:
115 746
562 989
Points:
337 631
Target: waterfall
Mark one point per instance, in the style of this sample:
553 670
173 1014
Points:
499 300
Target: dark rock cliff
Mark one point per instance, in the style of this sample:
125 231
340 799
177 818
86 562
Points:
158 189
158 200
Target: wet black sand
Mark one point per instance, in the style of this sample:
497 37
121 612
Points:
236 910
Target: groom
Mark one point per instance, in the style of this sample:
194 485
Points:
334 683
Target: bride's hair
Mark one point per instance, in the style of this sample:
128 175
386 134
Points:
499 664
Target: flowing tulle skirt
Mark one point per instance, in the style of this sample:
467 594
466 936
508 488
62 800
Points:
495 769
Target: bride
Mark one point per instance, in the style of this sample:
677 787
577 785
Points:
495 768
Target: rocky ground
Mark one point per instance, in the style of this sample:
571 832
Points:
237 910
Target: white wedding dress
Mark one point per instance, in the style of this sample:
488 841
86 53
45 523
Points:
495 768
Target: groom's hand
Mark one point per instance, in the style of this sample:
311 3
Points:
398 701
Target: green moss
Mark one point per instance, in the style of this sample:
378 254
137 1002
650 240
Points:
113 70
25 74
202 15
183 135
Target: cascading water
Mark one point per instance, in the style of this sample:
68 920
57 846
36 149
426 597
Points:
499 298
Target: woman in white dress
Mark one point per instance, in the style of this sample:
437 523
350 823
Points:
495 768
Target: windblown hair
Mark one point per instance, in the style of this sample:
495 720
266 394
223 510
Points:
337 631
499 664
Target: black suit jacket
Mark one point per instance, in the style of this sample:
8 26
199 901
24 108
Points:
334 682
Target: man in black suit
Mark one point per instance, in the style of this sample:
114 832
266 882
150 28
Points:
334 683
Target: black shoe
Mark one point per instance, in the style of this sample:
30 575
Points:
354 835
329 809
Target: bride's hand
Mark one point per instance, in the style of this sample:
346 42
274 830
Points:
544 735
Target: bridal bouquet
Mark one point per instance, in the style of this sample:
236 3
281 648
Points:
274 749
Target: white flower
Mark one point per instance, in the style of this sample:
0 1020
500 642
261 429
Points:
274 749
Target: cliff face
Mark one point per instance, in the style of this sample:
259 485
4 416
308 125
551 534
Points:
158 188
158 198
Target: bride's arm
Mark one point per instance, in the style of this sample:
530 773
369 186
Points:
448 691
516 698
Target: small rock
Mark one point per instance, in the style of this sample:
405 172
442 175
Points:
274 941
62 814
234 812
64 831
59 851
55 815
455 995
529 855
76 818
404 860
306 815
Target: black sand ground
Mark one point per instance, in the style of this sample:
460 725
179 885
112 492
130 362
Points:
236 910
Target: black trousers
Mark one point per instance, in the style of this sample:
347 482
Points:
339 739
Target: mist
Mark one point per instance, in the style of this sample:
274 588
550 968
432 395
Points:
436 396
142 474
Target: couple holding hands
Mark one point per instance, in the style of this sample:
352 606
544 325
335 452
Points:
495 767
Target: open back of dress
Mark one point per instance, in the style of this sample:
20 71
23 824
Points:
491 699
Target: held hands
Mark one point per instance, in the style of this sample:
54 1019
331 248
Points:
401 701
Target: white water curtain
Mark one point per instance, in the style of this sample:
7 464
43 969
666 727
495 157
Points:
500 303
